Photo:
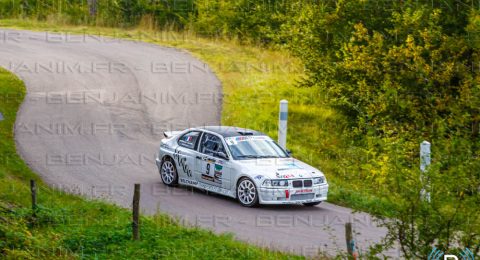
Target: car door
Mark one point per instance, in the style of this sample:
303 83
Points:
185 155
210 168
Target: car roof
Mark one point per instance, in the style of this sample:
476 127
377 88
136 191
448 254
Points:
231 131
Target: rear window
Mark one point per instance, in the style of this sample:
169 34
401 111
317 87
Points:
189 140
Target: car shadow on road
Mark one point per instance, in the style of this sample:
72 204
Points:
228 200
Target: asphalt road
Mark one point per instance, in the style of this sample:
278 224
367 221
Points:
91 124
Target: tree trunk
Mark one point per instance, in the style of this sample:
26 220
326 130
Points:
92 7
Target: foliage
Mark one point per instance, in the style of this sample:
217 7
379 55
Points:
407 77
247 20
124 13
449 221
400 79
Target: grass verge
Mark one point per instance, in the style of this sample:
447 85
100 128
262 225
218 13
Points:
68 226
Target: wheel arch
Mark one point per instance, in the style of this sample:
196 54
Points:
255 181
172 160
168 156
241 176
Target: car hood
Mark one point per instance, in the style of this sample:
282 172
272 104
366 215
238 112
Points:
287 168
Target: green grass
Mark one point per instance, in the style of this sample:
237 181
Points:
68 226
254 81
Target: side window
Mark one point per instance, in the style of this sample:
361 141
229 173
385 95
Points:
189 140
211 145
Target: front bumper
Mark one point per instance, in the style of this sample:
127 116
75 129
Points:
291 195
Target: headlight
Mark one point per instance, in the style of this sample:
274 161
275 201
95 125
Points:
275 183
319 180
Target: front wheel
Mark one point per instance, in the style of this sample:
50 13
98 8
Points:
168 172
247 192
311 204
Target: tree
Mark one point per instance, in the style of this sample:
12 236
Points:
403 74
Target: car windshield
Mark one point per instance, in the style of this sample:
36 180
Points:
254 147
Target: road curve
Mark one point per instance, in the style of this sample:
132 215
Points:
93 117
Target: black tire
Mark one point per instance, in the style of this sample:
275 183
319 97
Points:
170 176
311 204
245 190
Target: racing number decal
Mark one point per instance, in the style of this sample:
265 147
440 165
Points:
208 169
213 171
206 174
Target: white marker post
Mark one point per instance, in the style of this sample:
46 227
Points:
425 161
1 117
282 124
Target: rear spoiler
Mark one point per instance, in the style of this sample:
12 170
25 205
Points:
169 134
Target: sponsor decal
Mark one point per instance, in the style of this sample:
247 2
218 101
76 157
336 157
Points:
218 177
182 162
235 140
187 181
206 186
285 176
218 173
208 178
258 177
304 191
215 189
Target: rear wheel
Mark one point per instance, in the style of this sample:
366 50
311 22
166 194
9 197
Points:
311 204
247 192
168 172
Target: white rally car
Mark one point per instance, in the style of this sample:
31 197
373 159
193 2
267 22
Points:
239 163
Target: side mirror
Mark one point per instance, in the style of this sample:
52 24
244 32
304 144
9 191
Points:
222 155
289 152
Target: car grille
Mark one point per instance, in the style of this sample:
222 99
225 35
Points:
302 196
297 184
302 183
